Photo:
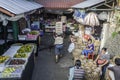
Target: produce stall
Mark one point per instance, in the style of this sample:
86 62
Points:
32 37
17 63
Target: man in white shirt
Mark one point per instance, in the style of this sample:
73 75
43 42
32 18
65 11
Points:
58 46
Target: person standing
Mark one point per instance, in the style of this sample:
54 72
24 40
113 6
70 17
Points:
116 69
76 72
58 46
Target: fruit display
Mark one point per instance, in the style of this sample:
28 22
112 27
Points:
25 48
34 32
3 59
12 71
20 55
17 62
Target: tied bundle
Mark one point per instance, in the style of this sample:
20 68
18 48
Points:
91 19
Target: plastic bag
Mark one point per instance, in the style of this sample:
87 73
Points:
71 47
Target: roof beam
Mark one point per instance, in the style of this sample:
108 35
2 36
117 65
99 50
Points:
6 12
106 4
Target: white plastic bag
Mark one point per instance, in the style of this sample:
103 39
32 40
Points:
71 47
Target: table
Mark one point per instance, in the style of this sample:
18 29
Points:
27 72
11 51
36 41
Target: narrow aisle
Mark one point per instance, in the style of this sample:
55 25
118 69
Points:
45 66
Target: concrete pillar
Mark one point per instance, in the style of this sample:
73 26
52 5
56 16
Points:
104 35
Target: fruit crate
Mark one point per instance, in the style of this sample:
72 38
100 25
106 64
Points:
12 72
21 55
18 62
5 61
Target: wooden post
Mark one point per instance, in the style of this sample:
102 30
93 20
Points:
15 30
118 3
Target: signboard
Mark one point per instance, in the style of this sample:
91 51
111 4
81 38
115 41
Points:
63 19
58 28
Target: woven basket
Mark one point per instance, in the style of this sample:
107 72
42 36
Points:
92 76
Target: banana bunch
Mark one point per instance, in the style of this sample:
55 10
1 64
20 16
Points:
8 71
11 71
34 32
3 58
20 55
25 49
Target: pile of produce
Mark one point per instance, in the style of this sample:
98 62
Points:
3 59
17 62
21 55
91 69
11 71
34 32
25 49
91 19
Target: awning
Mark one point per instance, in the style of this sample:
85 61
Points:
58 4
18 6
87 3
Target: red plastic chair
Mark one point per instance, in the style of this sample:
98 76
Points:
91 55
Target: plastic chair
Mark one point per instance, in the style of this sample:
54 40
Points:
91 55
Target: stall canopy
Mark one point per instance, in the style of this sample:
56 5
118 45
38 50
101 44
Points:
16 7
87 3
58 4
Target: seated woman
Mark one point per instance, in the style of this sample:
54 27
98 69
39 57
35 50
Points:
102 60
89 48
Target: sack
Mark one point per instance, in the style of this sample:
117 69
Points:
101 61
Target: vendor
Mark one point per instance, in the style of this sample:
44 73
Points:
89 48
102 61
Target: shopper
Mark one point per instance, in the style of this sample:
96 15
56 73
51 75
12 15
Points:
76 72
116 69
102 61
89 48
58 46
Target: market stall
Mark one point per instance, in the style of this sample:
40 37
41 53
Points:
17 63
31 37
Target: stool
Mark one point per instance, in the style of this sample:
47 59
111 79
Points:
91 55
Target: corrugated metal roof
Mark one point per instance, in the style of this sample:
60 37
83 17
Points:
19 6
87 3
58 3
